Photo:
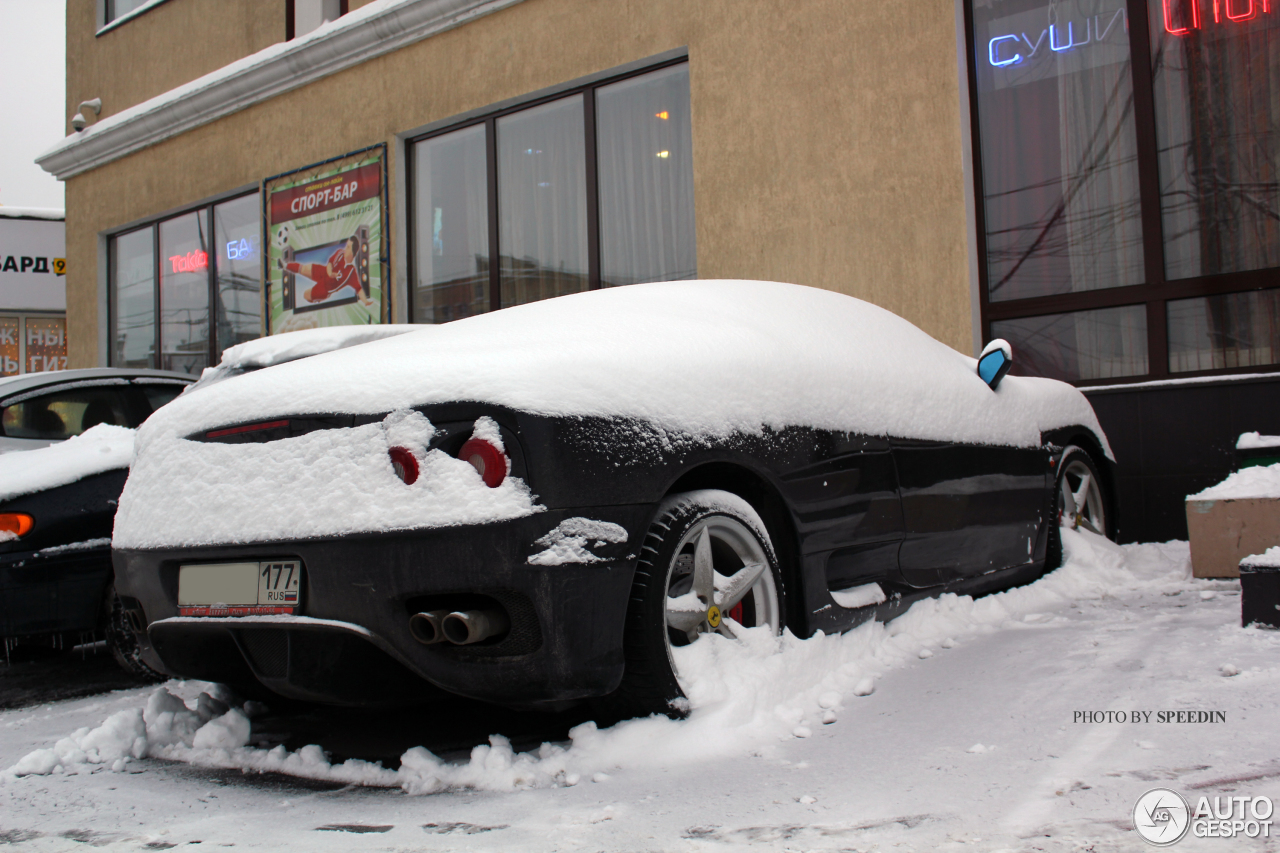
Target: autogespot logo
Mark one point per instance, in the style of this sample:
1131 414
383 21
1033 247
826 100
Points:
1161 817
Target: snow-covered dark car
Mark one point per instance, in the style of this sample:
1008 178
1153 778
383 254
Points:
66 439
548 503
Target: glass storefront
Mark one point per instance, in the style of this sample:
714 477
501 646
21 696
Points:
451 227
1118 192
644 137
542 202
1059 149
592 188
165 277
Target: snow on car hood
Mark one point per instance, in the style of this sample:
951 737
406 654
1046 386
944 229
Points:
98 449
702 357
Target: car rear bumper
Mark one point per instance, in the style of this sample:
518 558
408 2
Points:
350 642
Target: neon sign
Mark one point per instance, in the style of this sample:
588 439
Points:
190 262
1005 50
1230 8
240 250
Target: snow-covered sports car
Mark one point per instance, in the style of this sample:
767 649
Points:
547 503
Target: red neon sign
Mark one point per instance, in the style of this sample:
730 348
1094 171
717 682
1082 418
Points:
190 262
1251 10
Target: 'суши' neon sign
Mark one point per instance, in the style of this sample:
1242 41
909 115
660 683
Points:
1233 10
1003 51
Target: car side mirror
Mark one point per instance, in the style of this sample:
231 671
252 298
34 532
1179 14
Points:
995 361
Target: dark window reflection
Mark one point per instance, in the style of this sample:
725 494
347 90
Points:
238 289
644 139
184 293
1059 149
1216 68
133 299
1077 347
1233 330
451 227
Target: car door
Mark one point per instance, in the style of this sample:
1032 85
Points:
968 509
849 517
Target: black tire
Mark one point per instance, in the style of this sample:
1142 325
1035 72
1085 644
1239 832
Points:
1094 515
123 642
733 532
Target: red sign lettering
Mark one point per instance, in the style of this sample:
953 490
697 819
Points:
190 262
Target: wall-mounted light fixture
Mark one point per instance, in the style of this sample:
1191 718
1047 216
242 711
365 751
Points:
78 120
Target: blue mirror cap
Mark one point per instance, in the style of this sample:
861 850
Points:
995 361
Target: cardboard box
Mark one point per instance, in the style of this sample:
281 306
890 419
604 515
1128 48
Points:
1224 532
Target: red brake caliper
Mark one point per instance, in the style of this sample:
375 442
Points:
736 613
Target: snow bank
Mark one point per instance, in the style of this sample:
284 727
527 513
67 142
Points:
702 357
1259 481
1268 559
291 346
325 483
1255 441
745 697
97 449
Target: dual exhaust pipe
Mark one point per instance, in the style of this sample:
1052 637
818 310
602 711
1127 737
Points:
461 627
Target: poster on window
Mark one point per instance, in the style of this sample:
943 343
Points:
324 264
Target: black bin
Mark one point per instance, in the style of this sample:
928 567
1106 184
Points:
1260 592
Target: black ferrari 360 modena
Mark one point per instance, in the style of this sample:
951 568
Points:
537 505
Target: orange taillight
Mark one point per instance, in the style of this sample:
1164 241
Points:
17 523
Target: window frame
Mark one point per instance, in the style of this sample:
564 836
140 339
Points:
489 121
1156 291
205 209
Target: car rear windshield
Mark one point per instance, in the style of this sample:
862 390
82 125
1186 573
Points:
62 414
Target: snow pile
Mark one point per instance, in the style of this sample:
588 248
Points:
570 540
327 482
98 449
706 358
744 697
1256 441
1268 559
291 346
1259 481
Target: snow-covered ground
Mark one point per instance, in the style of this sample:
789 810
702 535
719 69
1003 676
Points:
958 727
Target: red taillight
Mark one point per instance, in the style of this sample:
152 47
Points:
16 523
405 463
489 461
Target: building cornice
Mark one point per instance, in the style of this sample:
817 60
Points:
376 29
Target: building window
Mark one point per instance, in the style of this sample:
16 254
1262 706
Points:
32 343
304 16
1129 184
113 10
187 287
591 188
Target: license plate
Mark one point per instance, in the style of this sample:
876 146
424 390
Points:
239 589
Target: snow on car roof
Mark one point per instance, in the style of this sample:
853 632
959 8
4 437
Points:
98 449
702 357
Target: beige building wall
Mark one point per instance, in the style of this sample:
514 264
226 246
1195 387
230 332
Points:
826 136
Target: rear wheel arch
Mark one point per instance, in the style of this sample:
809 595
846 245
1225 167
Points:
765 499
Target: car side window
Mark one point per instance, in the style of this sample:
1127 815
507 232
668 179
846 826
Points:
62 414
159 395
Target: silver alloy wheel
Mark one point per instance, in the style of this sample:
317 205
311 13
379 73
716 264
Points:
718 565
1079 495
